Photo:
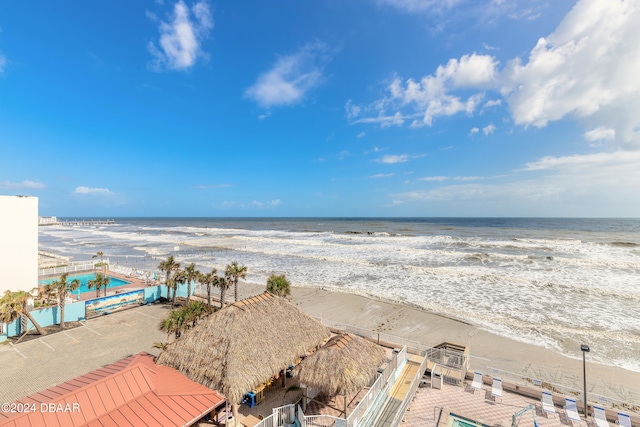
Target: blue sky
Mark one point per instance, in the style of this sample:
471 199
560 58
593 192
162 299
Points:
323 108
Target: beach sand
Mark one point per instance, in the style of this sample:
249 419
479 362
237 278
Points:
487 349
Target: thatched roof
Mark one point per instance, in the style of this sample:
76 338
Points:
243 345
345 364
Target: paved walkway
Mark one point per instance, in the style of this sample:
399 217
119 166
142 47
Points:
41 363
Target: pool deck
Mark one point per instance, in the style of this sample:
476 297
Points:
135 283
479 406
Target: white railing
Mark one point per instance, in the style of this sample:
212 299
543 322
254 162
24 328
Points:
412 391
73 267
284 415
459 361
560 389
377 336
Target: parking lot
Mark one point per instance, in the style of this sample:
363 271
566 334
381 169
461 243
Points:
44 362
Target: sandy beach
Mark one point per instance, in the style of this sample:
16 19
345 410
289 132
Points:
486 349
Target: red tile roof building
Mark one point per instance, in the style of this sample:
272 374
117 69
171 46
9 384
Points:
132 392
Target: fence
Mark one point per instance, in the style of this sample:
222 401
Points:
279 417
458 361
483 365
380 337
73 267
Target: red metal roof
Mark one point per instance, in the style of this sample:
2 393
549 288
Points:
132 392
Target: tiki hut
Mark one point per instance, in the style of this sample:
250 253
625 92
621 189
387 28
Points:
243 345
344 365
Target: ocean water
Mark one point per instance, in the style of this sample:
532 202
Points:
551 282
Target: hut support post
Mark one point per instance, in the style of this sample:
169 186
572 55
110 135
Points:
234 409
345 406
304 400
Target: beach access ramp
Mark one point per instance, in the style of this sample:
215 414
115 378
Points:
401 392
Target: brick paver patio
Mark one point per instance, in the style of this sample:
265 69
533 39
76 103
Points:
479 406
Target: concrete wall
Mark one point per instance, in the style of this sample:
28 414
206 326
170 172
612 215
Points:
48 316
76 311
18 243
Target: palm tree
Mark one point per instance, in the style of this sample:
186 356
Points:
100 254
209 281
236 272
183 318
170 266
191 274
45 294
63 287
278 285
179 278
223 283
99 281
14 305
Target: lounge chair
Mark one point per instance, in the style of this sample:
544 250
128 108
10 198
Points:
600 416
496 388
476 384
624 420
547 403
571 409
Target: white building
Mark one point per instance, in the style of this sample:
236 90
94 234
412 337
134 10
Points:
18 243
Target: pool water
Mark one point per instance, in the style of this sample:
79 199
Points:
458 421
84 278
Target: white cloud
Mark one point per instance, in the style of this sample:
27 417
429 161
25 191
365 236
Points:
264 116
419 5
352 110
599 134
488 129
343 154
180 40
275 202
152 16
492 103
582 69
393 158
361 135
381 175
431 96
473 131
291 77
26 184
385 121
93 191
434 178
3 62
586 162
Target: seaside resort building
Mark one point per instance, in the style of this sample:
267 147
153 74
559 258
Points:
18 244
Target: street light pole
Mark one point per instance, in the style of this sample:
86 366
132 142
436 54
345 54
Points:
585 349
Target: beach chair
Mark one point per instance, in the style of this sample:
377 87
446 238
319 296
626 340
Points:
547 403
476 384
496 388
571 409
624 420
600 416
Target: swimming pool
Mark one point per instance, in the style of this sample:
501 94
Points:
84 278
459 421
